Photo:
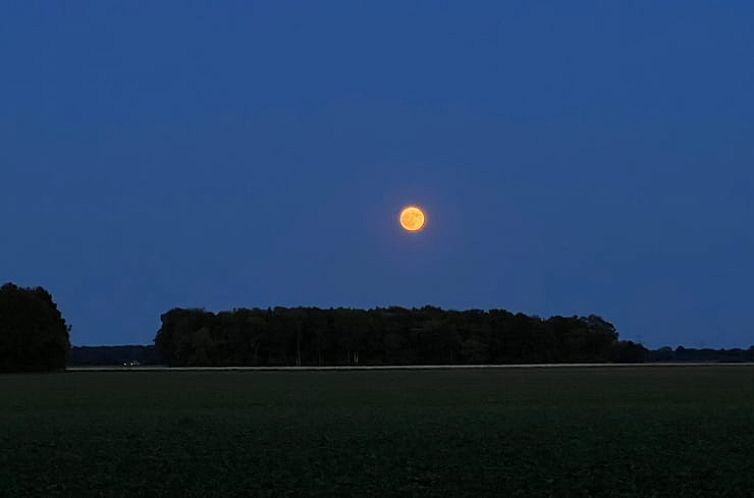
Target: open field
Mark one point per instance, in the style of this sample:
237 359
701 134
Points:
559 432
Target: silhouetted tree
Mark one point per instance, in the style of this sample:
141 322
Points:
628 352
33 333
682 354
663 354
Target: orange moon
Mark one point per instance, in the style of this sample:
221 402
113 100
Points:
412 219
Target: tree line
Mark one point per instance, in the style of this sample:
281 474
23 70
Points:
34 336
113 355
702 355
385 336
149 356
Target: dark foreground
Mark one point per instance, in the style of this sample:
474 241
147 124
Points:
582 432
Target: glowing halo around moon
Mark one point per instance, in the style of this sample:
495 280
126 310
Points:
412 219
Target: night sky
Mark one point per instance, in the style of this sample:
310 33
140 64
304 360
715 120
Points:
572 157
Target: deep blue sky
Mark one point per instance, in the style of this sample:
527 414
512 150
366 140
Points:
573 158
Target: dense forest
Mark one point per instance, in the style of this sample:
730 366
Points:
385 336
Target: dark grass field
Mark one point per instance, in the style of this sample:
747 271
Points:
581 432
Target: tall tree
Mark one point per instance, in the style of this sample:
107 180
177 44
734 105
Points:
33 333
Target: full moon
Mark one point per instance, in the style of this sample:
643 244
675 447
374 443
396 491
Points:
412 219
